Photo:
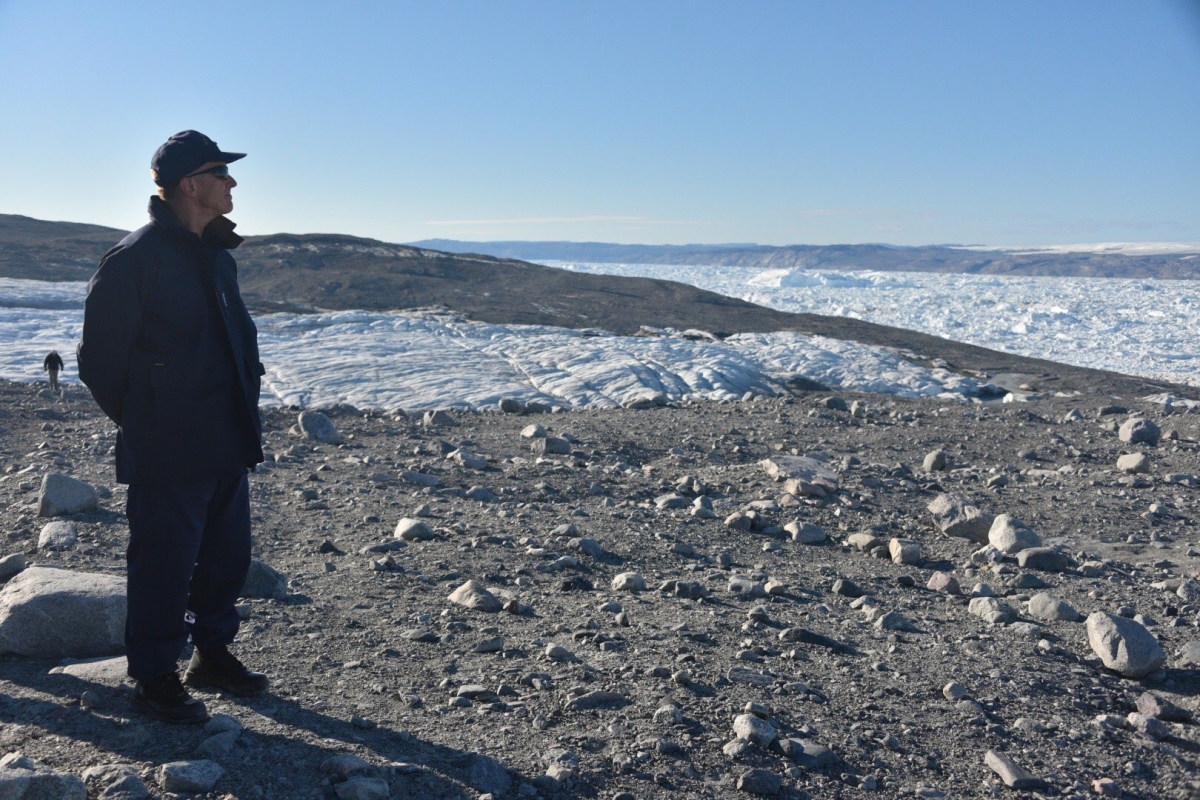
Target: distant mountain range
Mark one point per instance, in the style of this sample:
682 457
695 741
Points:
1113 261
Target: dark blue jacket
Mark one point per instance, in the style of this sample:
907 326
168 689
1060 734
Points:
171 354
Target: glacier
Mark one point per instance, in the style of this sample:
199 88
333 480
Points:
426 360
1138 327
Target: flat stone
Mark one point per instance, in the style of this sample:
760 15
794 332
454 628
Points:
1123 645
894 621
760 782
57 536
317 426
1049 608
1134 463
22 779
362 788
467 459
597 699
805 532
189 776
472 594
809 755
104 671
46 612
1045 559
1014 777
550 446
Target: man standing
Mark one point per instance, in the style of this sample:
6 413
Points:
52 365
171 355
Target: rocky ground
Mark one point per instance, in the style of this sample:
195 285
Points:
782 643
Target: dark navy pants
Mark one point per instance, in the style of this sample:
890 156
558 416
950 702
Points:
189 551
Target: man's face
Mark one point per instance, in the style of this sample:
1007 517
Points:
213 193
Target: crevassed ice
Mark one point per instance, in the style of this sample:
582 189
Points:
1135 326
395 360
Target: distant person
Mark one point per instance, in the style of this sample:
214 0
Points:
52 365
171 356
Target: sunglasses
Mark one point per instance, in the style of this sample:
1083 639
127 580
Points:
221 171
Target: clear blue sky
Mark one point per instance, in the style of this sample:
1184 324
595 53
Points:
1005 123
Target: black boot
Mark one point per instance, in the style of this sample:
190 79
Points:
165 699
220 669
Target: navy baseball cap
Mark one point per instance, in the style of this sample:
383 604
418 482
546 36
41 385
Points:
183 154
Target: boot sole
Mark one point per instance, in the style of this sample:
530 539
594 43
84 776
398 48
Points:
195 682
150 711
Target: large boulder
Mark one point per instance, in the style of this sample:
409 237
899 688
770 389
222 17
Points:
22 779
46 612
264 582
954 516
62 494
1010 536
317 426
1124 645
1138 429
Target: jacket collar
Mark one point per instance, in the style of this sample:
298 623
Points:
218 233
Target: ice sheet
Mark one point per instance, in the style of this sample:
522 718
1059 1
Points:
1139 327
419 361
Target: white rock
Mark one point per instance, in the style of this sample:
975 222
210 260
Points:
629 582
57 536
46 612
1123 645
1049 608
1134 463
472 594
753 729
413 530
189 776
1010 536
22 779
905 551
61 494
317 426
805 532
